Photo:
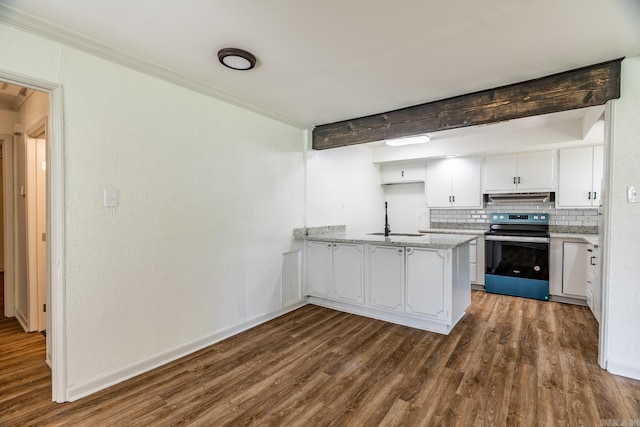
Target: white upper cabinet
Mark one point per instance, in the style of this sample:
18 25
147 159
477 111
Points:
453 183
580 176
398 174
522 172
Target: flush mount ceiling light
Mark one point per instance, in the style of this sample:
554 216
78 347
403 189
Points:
418 139
236 59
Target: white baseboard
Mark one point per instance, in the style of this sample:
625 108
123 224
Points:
22 319
623 369
117 376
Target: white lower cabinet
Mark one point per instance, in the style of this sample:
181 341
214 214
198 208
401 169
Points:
594 287
425 278
336 271
419 287
348 272
574 272
386 277
567 268
319 269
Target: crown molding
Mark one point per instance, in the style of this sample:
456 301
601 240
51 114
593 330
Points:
22 21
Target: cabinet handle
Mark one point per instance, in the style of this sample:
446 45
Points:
593 260
589 197
514 179
409 251
335 245
403 174
449 199
399 251
594 195
518 180
329 245
453 199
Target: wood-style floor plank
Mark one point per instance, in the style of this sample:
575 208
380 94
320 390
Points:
509 362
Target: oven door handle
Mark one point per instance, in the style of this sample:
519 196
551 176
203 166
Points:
522 239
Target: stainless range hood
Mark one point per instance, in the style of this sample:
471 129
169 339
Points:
517 198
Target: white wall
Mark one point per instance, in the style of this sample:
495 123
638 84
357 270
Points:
209 195
7 120
623 228
343 187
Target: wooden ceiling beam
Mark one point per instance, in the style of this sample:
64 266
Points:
579 88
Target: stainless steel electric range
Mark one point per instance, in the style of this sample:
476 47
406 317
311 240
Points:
517 255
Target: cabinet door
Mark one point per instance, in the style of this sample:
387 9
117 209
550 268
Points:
499 172
535 171
574 273
427 292
391 174
348 272
386 277
598 166
575 186
465 182
319 269
413 173
438 185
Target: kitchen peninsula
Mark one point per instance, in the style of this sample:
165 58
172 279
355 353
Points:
412 279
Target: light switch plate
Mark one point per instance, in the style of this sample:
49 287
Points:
632 195
110 198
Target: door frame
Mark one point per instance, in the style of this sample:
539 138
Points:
56 312
8 179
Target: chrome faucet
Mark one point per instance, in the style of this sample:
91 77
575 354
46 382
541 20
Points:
387 229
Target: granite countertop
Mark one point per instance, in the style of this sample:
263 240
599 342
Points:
432 240
475 232
588 238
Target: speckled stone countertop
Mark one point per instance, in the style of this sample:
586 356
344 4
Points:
587 238
432 241
476 232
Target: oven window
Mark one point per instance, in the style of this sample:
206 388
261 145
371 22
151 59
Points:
517 259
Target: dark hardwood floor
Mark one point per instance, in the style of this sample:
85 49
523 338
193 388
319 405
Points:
509 362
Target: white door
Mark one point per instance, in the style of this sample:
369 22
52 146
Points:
575 186
36 249
598 167
535 171
386 277
348 272
438 186
465 182
319 269
499 172
427 294
574 273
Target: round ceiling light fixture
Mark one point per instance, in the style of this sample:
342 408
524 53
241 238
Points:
236 59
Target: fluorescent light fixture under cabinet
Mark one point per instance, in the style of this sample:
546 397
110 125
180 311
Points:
419 139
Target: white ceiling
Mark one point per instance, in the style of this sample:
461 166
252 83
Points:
326 61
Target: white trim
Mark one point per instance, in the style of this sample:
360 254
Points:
22 319
119 375
605 244
22 21
624 369
399 318
8 206
56 335
57 327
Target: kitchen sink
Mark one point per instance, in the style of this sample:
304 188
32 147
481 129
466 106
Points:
398 234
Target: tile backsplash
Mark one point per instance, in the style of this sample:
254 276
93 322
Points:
560 220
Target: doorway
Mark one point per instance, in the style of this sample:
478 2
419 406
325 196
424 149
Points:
34 139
